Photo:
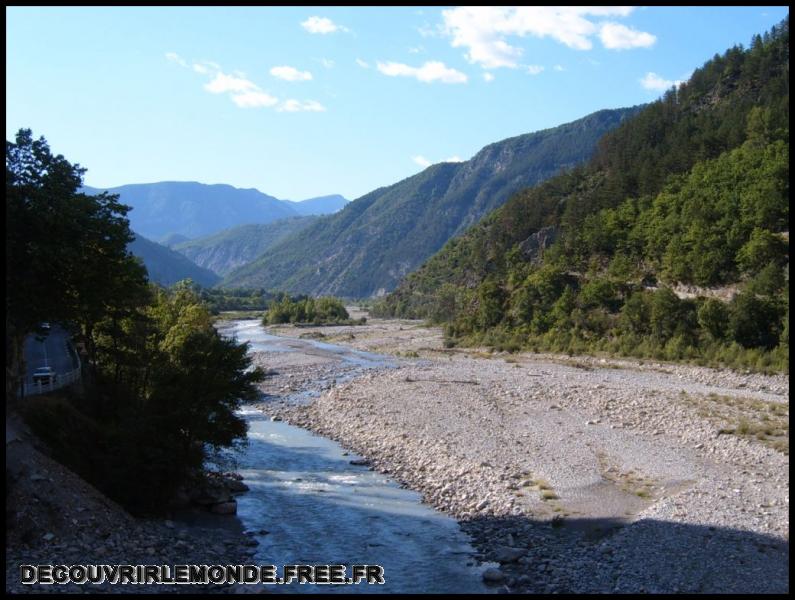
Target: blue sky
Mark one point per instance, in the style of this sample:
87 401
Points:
301 102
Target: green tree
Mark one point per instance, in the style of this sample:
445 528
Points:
664 317
713 317
762 248
66 252
754 322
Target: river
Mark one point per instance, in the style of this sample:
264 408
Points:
308 504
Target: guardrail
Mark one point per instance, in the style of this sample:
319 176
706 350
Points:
62 380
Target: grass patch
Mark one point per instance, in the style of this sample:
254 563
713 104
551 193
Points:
761 421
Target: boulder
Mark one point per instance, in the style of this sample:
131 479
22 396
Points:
507 554
224 508
493 576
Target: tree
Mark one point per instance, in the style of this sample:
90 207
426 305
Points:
763 248
66 252
754 322
664 314
713 317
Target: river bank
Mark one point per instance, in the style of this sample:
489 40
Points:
53 517
575 474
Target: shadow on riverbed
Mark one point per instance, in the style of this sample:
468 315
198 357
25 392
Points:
308 504
609 555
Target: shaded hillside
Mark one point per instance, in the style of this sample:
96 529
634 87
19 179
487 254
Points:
374 241
166 267
225 251
692 190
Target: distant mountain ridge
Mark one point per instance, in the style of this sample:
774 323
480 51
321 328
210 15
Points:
166 267
191 209
367 247
322 205
226 250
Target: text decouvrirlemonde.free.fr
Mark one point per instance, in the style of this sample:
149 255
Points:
200 574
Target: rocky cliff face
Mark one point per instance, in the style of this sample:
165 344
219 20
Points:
533 247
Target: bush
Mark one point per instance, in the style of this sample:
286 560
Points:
754 322
317 311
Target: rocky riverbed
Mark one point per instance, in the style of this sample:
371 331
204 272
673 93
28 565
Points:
574 474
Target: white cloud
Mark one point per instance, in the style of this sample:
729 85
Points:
299 106
483 30
429 72
652 81
254 99
488 77
176 58
424 162
326 62
204 67
321 25
362 64
222 83
426 31
558 68
534 69
416 50
247 94
290 74
616 36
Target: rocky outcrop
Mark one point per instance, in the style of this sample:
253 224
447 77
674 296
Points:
533 247
215 493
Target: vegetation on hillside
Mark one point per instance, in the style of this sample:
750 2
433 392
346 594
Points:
368 246
693 190
160 386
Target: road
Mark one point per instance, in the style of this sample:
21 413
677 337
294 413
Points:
49 351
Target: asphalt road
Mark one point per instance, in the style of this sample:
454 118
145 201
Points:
49 351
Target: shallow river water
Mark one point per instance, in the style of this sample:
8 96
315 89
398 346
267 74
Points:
307 504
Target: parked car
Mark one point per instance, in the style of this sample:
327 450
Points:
45 375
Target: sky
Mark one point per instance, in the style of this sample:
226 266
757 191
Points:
301 102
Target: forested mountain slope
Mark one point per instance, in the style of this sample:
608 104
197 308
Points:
694 189
374 241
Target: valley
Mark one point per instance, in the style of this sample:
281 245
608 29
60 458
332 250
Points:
562 470
544 349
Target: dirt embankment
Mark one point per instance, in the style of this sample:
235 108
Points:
53 517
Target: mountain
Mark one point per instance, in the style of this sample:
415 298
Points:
225 251
368 246
195 209
165 266
690 193
172 239
322 205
